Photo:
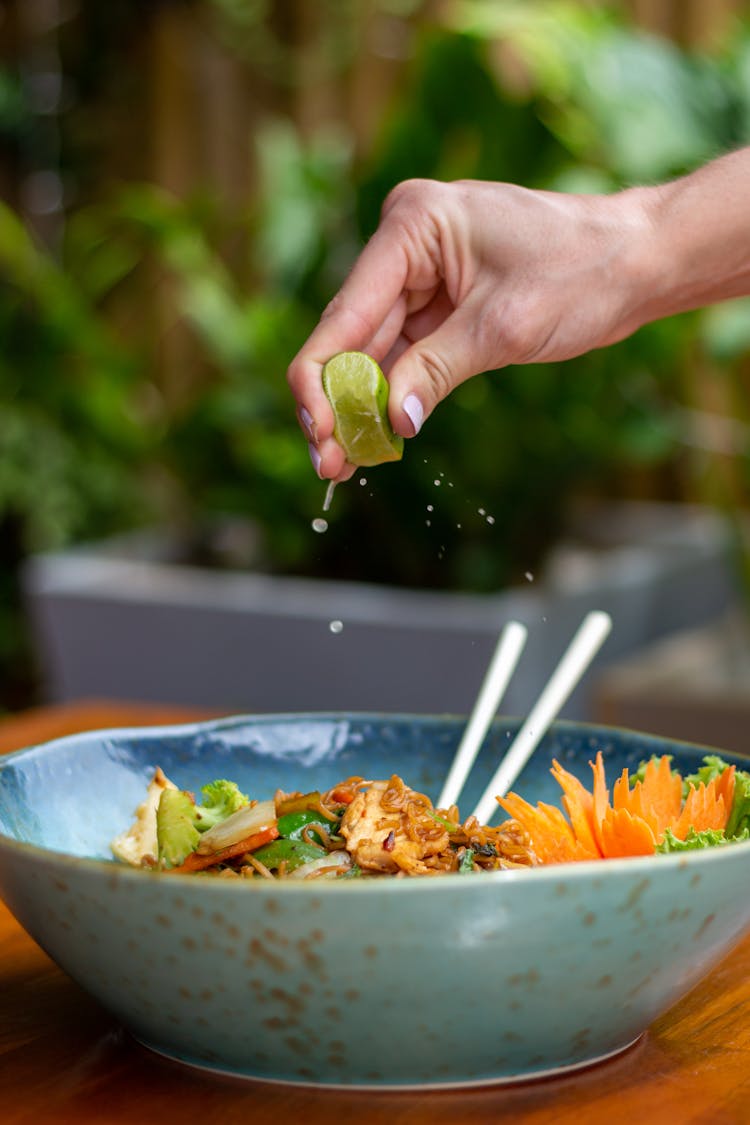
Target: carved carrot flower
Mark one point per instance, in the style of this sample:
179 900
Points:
641 817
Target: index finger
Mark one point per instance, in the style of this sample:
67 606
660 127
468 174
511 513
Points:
349 323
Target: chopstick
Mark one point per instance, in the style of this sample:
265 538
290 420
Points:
579 654
498 674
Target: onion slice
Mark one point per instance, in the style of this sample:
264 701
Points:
338 862
245 822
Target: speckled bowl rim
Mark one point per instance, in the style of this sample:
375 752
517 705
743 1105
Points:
580 869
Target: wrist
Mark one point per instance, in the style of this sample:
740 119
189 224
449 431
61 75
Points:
695 248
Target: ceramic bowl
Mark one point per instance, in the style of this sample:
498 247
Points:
371 983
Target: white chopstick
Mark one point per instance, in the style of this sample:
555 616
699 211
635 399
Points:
496 679
581 651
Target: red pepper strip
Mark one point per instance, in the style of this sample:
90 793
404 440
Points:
341 796
196 862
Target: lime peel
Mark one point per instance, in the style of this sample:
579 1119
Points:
358 393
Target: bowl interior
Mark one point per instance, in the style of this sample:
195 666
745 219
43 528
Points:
75 794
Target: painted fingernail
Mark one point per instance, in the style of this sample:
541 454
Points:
315 458
414 411
307 421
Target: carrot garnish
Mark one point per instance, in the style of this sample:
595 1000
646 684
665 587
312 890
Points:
704 808
197 862
623 834
636 820
579 805
554 840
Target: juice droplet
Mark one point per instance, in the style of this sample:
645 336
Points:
490 519
529 576
436 483
320 525
336 626
363 481
430 508
328 497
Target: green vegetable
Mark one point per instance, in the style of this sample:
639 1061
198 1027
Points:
354 872
449 825
292 852
709 838
292 825
713 766
176 834
180 822
738 824
220 799
466 863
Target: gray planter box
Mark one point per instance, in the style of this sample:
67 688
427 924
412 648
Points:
694 684
119 621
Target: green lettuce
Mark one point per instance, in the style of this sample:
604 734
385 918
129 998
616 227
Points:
710 838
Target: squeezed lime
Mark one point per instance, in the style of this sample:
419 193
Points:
358 393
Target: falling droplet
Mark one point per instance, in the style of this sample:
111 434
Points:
458 525
329 495
428 523
430 508
336 626
529 576
363 481
490 519
320 525
436 483
481 511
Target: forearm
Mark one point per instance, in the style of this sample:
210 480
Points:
698 245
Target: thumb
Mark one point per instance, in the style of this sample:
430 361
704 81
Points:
430 369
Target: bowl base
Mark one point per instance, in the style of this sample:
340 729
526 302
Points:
397 1087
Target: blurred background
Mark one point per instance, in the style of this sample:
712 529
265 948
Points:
183 185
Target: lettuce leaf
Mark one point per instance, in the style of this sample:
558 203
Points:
738 824
710 838
713 766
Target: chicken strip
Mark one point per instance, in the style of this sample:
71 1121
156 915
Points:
390 828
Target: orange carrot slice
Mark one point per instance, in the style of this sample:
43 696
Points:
552 837
704 808
197 862
625 835
600 798
579 805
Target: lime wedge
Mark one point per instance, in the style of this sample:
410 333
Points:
358 392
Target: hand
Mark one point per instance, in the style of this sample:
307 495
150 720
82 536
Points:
466 277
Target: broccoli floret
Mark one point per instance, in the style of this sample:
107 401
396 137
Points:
180 822
176 833
220 799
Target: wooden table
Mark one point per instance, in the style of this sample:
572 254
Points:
63 1059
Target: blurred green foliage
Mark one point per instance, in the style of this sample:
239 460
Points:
549 94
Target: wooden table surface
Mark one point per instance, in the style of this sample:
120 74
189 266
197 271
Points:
63 1059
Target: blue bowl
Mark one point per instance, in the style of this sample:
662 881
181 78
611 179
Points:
363 983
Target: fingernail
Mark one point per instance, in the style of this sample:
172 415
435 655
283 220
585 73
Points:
315 458
414 411
307 421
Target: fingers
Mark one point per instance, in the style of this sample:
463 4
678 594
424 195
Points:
366 315
427 371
